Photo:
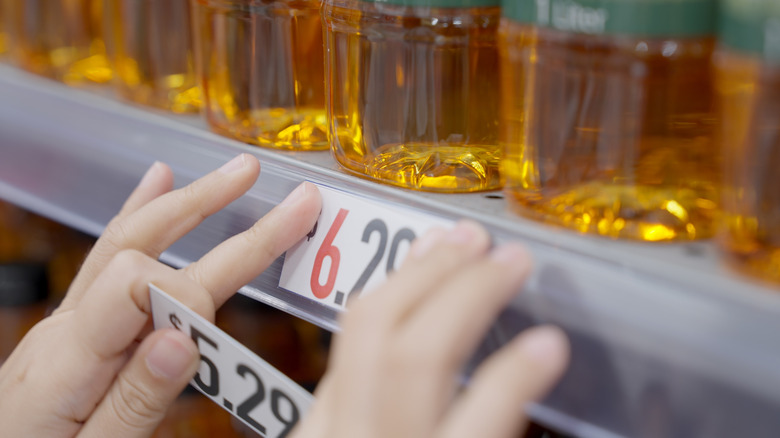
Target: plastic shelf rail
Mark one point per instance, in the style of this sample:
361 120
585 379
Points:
667 342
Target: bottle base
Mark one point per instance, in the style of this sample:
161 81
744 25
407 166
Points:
750 246
175 99
92 69
279 128
433 168
653 214
67 64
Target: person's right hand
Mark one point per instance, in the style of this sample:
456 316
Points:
394 370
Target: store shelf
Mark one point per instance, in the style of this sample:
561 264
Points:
666 340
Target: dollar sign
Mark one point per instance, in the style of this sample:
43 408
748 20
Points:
175 321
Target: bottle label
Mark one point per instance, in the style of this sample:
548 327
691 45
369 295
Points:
659 18
752 26
772 41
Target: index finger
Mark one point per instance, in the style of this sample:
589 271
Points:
153 227
235 262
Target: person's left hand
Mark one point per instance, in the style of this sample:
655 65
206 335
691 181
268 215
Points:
95 368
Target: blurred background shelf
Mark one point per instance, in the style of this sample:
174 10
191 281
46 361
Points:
667 341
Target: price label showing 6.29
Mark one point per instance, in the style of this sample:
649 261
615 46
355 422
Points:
232 376
355 243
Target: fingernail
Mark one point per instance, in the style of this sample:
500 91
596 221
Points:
543 344
150 174
464 232
511 254
169 358
295 195
233 165
424 244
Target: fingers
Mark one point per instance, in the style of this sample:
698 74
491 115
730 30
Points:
157 181
139 397
96 343
243 257
475 295
521 372
431 261
153 227
317 422
445 328
418 329
116 307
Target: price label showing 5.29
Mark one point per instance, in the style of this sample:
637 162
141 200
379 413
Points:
232 376
353 246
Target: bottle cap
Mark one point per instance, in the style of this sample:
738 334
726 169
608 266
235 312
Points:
651 18
752 26
23 284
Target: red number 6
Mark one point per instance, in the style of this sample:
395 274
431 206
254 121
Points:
327 249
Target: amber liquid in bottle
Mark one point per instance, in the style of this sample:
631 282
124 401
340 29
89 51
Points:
610 135
5 38
151 47
749 94
10 20
413 100
262 72
61 39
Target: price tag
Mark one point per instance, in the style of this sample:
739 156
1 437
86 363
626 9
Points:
232 376
355 243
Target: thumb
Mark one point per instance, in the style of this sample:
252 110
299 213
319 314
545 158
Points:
137 401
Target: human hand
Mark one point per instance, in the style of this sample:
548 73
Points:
395 366
95 368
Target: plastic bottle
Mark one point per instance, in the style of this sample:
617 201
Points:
60 39
261 65
608 115
748 83
152 50
412 91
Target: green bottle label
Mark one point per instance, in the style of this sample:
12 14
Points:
655 18
752 26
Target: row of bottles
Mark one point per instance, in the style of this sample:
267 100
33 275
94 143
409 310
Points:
143 47
639 119
58 39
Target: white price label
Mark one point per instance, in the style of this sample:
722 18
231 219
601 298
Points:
355 243
232 376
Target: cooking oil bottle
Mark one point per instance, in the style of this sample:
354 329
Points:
262 71
412 91
61 39
748 84
608 115
151 48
